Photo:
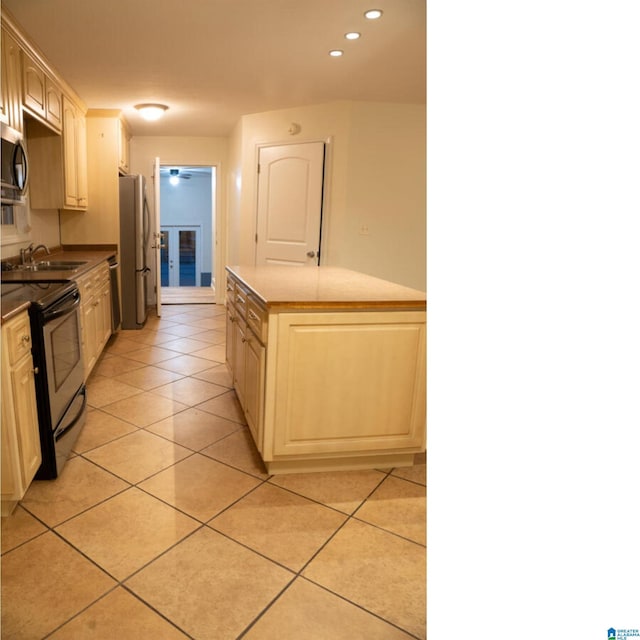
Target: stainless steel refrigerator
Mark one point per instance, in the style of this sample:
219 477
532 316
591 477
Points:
134 240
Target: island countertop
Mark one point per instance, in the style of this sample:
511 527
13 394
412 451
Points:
284 288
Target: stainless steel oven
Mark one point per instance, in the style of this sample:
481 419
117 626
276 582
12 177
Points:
57 357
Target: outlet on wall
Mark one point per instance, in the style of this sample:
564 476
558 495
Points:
364 229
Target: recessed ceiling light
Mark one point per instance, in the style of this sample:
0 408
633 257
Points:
151 111
336 53
352 35
373 14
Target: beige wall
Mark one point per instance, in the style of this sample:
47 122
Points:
376 179
187 151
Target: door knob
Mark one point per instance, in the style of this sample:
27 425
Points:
311 254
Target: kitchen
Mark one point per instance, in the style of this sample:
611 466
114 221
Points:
360 131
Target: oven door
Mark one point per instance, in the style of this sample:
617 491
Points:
63 353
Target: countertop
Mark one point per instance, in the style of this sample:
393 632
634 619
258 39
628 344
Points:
283 288
11 300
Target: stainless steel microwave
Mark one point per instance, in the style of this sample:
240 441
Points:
14 167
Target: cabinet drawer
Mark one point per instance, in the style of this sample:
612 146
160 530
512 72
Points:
90 282
85 286
240 297
257 319
18 334
230 291
101 274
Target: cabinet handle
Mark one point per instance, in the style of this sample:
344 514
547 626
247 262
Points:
240 299
232 319
253 316
26 338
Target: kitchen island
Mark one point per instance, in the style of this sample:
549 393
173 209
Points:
329 366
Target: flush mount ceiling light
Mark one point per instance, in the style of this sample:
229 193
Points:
352 35
373 14
336 53
150 111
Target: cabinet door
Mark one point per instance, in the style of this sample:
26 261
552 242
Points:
239 347
24 398
104 309
350 382
53 104
34 96
89 335
123 147
69 151
10 109
74 135
254 387
82 188
229 344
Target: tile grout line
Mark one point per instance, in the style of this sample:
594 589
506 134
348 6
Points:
209 524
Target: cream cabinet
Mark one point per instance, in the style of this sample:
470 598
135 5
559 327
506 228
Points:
41 95
58 163
95 313
21 453
75 156
246 357
123 146
10 109
325 385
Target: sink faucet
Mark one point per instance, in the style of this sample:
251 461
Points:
26 255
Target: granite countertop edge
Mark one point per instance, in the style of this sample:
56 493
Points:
320 289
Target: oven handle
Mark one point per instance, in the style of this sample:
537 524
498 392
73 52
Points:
61 311
75 420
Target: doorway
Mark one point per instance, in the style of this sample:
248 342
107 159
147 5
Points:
187 225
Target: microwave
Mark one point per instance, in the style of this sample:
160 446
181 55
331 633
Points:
14 167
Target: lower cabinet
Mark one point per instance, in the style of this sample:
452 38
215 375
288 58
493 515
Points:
246 360
327 389
21 453
95 306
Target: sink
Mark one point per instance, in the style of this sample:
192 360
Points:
51 265
60 264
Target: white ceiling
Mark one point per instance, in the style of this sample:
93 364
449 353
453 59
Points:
212 61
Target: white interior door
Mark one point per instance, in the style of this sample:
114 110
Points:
290 204
157 235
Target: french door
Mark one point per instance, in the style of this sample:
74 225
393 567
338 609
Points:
180 256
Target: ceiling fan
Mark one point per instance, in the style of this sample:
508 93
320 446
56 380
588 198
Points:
182 175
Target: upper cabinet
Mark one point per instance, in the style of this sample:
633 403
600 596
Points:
41 95
10 112
123 146
74 144
38 102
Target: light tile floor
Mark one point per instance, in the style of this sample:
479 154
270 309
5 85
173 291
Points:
165 524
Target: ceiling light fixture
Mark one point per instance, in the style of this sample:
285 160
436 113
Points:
336 53
352 35
151 111
373 14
